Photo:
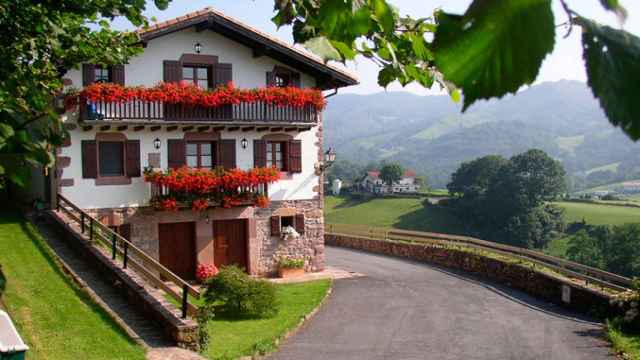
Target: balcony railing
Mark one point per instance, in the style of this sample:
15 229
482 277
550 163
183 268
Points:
140 110
159 190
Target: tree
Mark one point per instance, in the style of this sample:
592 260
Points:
472 178
421 181
391 173
492 49
40 41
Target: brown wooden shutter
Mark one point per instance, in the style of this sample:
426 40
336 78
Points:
271 79
172 71
228 153
259 153
223 74
88 74
89 159
177 153
299 223
275 226
295 80
117 74
295 156
124 230
132 152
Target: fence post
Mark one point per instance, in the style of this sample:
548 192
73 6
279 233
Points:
113 246
90 229
82 222
185 294
126 255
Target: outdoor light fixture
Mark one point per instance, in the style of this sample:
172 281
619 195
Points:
156 144
197 47
58 103
244 143
329 159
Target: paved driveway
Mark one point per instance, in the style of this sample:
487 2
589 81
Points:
407 310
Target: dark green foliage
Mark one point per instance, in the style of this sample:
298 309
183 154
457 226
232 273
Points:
391 173
206 313
236 294
3 281
472 178
615 249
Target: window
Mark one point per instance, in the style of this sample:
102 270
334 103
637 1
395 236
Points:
282 80
287 221
275 155
102 74
111 158
200 154
199 75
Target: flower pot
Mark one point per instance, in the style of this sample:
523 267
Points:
287 273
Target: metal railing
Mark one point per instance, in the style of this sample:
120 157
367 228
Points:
131 256
567 268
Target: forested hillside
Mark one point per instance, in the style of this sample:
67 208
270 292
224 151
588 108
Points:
430 135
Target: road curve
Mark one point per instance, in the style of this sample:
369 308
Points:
408 310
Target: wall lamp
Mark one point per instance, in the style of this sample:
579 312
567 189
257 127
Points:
244 143
156 144
329 159
197 47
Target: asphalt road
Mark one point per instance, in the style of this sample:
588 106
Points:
408 310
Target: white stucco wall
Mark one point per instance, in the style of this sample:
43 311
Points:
86 194
147 69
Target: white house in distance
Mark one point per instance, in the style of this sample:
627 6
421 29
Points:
101 166
374 184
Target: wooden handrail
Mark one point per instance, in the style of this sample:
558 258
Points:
132 254
579 271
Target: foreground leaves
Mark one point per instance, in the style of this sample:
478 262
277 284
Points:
613 68
495 47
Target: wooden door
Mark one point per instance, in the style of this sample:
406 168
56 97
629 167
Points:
230 243
178 248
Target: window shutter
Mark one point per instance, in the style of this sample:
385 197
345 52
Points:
172 71
259 153
299 223
176 155
271 79
224 74
275 226
89 159
117 74
132 152
124 230
88 74
228 153
295 156
295 80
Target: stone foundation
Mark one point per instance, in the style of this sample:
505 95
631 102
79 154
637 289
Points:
263 249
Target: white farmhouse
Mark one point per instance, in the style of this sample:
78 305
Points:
101 167
374 184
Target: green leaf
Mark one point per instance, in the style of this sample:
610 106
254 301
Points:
344 49
384 15
419 46
613 69
387 75
614 5
495 47
6 131
322 47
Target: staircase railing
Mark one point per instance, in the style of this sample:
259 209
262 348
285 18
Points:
131 256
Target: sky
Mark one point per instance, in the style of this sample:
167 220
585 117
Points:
564 63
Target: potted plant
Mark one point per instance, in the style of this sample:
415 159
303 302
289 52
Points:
288 233
290 267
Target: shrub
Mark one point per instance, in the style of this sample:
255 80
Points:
629 303
235 294
291 263
205 272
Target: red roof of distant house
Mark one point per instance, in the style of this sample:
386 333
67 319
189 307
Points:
374 174
407 174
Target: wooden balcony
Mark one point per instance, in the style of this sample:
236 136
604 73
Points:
139 110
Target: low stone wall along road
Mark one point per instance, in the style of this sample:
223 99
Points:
407 310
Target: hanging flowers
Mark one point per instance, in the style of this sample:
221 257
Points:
202 188
190 94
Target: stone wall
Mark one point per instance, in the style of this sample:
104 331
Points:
536 283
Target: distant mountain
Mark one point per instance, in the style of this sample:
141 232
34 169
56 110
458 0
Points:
431 135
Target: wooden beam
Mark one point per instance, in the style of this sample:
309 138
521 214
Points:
248 128
122 127
105 127
155 128
276 129
290 129
219 128
187 128
138 128
172 128
87 127
203 128
261 129
233 128
259 51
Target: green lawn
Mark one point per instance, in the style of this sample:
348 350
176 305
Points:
231 339
401 213
596 214
54 317
623 342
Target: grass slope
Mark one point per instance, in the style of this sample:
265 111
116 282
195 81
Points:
402 213
54 317
231 338
596 214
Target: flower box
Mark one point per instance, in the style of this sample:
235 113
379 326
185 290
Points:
287 273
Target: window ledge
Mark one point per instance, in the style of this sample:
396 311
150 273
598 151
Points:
113 180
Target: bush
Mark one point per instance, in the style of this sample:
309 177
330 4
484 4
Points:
233 293
291 263
629 303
